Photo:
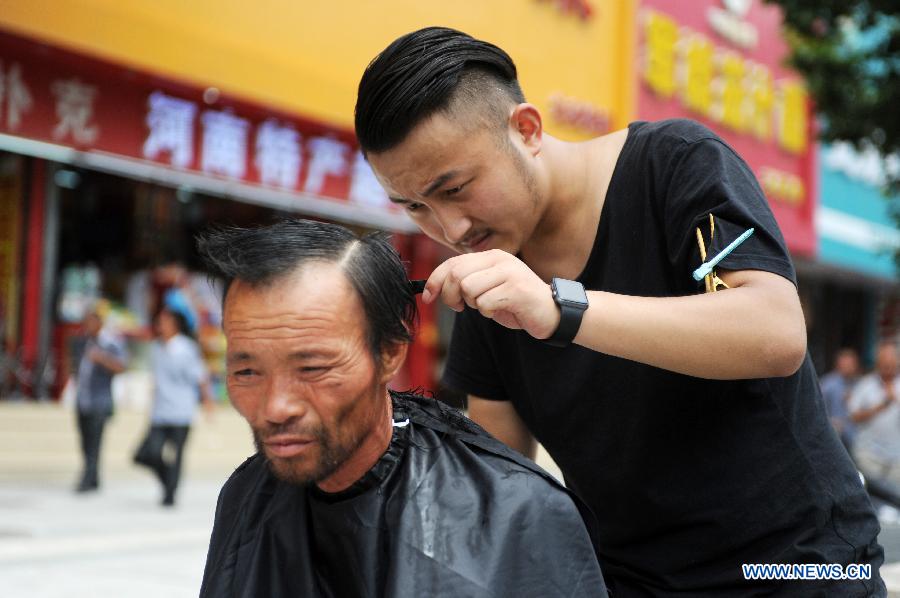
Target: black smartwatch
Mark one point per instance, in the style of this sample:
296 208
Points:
572 301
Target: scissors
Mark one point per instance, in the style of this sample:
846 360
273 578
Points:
705 271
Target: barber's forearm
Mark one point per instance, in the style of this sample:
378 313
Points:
732 334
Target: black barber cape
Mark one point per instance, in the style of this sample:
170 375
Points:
447 511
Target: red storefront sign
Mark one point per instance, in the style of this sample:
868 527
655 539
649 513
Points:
50 95
721 62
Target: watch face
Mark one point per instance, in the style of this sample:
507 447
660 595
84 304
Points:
570 292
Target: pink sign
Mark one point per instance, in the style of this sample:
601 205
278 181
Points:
721 62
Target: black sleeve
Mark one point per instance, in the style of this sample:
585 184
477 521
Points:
707 177
471 364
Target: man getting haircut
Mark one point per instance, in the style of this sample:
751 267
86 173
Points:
356 490
684 411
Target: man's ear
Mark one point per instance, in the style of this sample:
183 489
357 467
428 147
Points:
393 355
527 126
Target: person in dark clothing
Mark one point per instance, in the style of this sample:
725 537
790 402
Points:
678 399
356 490
102 356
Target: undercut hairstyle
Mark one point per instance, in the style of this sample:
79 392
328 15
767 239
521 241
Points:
266 255
432 70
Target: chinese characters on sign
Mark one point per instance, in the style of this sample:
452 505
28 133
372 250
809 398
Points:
689 74
74 105
14 94
280 151
579 114
278 156
171 125
75 110
329 157
782 185
224 144
723 63
365 188
721 85
56 97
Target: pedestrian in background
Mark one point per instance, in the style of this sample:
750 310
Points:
875 410
102 357
836 388
181 383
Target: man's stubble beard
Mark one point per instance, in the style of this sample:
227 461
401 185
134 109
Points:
332 454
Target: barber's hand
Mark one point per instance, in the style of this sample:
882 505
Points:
500 286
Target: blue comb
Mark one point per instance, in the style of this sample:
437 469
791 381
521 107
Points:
706 267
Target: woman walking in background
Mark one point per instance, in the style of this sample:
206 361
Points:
181 382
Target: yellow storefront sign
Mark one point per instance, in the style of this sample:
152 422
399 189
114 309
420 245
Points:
306 57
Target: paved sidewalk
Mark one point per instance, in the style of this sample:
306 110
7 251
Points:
118 542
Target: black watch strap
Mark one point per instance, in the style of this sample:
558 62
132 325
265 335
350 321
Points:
569 323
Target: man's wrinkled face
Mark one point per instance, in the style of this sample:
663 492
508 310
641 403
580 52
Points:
300 370
466 187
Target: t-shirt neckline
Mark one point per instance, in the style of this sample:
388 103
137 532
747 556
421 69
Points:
603 224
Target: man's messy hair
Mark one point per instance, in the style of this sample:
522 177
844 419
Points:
266 255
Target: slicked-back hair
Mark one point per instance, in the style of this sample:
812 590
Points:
267 255
423 72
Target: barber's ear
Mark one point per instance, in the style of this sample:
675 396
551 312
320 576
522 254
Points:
526 124
392 357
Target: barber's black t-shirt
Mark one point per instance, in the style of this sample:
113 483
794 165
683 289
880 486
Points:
689 478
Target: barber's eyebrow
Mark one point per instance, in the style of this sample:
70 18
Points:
435 185
439 182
